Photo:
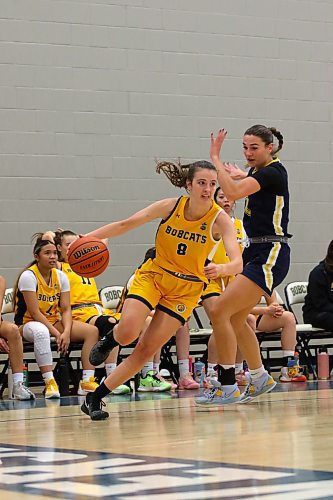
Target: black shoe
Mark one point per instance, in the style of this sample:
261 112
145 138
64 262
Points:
92 406
102 348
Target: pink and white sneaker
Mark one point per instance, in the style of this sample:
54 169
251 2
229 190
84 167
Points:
168 380
187 382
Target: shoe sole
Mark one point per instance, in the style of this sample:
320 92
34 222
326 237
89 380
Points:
268 389
53 396
96 357
24 399
217 405
153 389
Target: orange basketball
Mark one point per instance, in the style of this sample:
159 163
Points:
88 256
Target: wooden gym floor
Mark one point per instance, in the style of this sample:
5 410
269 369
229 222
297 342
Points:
159 446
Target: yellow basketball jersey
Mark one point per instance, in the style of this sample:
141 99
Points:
182 246
221 256
48 297
83 290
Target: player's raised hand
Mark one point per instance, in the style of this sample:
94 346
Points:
234 171
216 143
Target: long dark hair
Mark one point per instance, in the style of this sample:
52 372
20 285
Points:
216 193
39 244
328 262
178 173
267 135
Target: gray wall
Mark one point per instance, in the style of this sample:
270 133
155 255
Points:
91 92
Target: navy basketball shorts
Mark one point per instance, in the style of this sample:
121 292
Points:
266 264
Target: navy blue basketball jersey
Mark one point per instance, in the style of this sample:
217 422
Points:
266 212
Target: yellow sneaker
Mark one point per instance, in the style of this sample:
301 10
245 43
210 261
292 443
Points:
87 386
51 389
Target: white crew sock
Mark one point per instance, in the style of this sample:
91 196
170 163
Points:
288 354
211 367
257 373
17 377
184 367
149 366
238 367
156 367
47 376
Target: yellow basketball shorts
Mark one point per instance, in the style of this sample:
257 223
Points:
216 287
159 290
84 314
213 289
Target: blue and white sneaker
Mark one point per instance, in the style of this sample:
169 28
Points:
217 396
255 388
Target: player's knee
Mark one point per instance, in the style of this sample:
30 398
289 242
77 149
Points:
42 344
144 350
104 325
126 332
14 333
215 313
289 319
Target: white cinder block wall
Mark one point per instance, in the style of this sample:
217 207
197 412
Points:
92 91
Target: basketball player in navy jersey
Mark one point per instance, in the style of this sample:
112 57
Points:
266 259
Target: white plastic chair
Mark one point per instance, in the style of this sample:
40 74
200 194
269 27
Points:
110 296
8 302
295 293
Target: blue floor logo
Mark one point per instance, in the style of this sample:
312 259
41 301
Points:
67 474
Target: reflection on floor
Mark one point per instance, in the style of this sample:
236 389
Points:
160 446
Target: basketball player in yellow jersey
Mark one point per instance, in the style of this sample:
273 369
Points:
173 281
11 344
42 309
86 308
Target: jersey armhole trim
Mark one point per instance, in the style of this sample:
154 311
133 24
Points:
172 211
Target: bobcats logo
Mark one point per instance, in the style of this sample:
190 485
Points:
181 308
203 226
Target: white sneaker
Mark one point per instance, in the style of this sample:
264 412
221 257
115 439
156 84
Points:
265 383
218 396
121 390
22 392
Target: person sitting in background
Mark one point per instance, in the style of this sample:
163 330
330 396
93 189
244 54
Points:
274 317
11 343
42 308
86 308
318 305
